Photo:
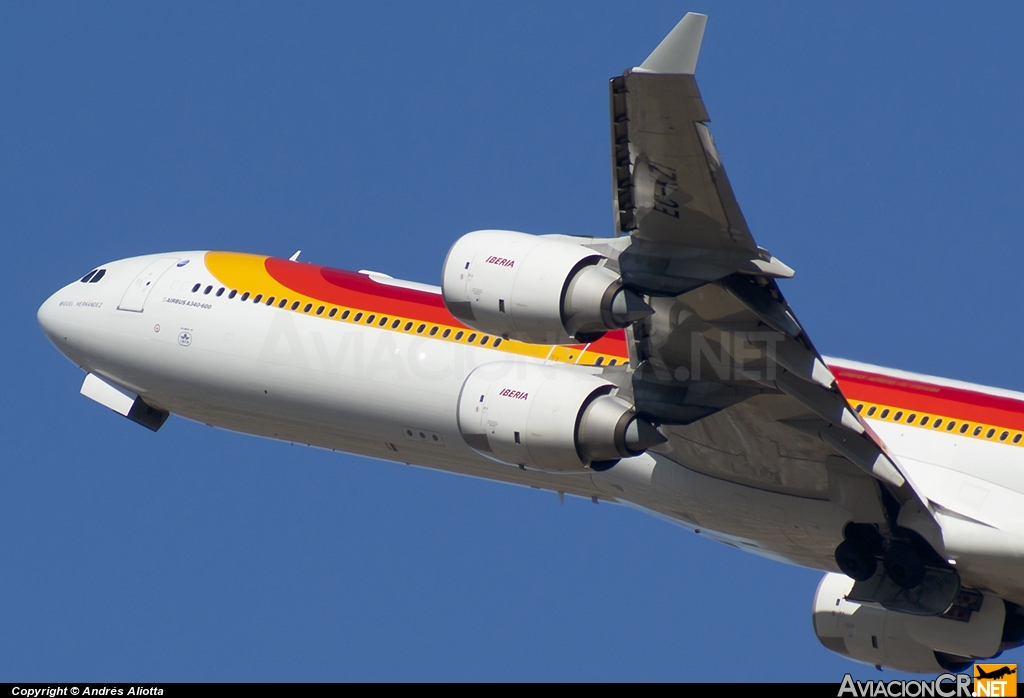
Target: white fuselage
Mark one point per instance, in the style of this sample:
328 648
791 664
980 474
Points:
391 394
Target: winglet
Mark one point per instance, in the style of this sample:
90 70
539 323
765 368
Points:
677 53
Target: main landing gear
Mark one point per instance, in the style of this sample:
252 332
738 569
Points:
904 558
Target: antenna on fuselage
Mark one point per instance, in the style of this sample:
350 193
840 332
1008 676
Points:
295 257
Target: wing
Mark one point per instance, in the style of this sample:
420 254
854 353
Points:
723 363
671 191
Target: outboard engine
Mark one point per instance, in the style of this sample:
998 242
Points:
534 289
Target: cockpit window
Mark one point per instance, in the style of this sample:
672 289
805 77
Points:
85 279
97 276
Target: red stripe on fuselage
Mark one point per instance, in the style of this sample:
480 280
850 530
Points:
956 403
359 291
349 289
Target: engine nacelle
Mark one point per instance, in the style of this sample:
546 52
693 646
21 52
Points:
535 289
549 418
921 644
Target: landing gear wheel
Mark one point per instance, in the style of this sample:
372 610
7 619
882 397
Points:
904 565
856 561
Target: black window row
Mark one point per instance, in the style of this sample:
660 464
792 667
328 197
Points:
359 316
93 276
939 423
370 318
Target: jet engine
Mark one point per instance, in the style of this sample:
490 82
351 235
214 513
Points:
975 628
534 289
549 418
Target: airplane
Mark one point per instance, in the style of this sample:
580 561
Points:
661 368
995 673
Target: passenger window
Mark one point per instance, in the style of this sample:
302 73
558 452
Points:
885 413
1016 439
334 311
258 298
282 303
600 360
408 326
233 293
433 331
497 342
964 427
206 292
383 321
613 362
309 306
245 296
320 310
395 323
484 340
458 335
196 288
990 433
871 410
295 305
370 318
446 334
859 407
937 423
898 416
220 292
924 421
419 330
977 430
1002 437
358 317
344 315
911 418
471 338
270 300
950 426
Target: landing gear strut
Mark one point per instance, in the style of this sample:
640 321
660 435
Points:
913 578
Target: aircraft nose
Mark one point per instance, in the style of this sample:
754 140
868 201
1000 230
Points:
49 319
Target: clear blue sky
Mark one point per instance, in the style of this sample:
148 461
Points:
875 148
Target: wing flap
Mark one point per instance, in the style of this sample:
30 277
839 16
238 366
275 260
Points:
671 193
669 188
